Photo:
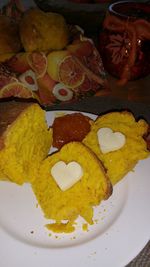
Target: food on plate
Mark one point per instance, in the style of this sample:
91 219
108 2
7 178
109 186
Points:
91 157
64 199
24 140
41 31
121 145
70 127
110 141
9 36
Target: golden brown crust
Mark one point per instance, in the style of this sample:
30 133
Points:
109 188
109 184
80 199
43 31
9 111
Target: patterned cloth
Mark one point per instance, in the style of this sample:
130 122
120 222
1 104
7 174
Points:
143 259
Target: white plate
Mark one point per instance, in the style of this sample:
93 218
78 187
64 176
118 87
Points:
121 231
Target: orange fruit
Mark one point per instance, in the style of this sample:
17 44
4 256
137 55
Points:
88 58
17 89
70 72
38 63
53 60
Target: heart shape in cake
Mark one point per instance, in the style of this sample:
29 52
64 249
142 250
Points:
66 175
109 140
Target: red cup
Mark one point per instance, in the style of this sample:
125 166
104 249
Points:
124 42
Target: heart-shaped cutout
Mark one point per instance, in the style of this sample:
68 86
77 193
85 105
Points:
109 140
66 175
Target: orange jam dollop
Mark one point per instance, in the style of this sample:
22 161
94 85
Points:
70 127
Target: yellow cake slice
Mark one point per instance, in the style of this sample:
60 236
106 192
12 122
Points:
122 160
24 140
67 204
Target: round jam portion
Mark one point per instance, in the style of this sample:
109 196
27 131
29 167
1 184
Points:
70 127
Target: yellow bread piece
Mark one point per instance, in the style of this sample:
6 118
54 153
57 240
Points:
24 140
93 187
43 31
118 163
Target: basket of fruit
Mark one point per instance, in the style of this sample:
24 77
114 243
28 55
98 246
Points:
48 60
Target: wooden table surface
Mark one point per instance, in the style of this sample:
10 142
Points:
136 91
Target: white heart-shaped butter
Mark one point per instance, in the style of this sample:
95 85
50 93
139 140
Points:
66 175
109 140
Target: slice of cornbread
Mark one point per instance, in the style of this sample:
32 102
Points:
93 186
24 140
119 162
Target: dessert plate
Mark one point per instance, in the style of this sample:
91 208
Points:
120 231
